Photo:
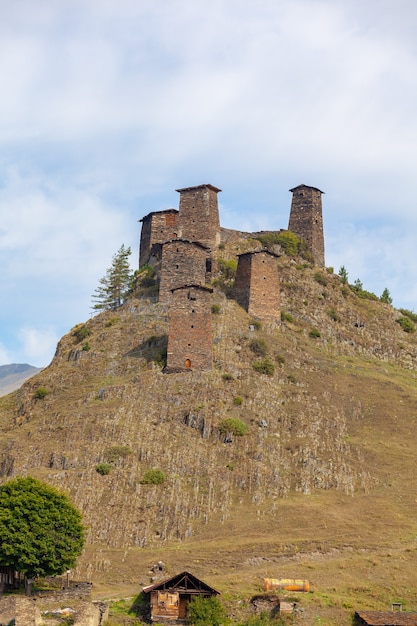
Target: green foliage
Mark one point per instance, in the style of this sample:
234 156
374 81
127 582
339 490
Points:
406 324
206 612
409 314
333 315
103 468
320 279
280 359
227 376
115 285
113 454
86 347
289 242
262 619
343 274
215 309
286 317
358 286
386 296
41 531
81 333
41 393
153 476
258 347
233 425
227 267
112 321
264 366
314 333
238 401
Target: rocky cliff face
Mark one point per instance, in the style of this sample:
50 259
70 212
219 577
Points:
342 367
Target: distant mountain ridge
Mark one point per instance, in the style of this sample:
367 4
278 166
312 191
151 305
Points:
13 375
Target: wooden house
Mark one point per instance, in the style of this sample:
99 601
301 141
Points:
385 618
169 598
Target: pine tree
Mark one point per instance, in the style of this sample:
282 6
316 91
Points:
386 296
114 286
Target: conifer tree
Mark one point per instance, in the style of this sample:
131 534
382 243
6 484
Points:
386 296
114 286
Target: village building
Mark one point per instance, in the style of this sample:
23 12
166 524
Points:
169 599
182 262
306 219
257 286
190 333
157 227
385 618
198 218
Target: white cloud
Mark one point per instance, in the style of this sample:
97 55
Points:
37 345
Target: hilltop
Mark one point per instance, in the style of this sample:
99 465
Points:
320 486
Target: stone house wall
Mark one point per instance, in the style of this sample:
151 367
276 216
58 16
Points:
198 218
183 263
157 227
190 330
257 285
306 219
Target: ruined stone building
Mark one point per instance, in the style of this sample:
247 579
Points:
182 244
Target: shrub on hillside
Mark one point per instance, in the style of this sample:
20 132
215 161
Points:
314 333
153 477
40 393
406 324
115 453
320 279
264 366
234 426
258 347
409 314
103 469
81 333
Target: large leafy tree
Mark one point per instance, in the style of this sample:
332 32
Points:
41 532
116 283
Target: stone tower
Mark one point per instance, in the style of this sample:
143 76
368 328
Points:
306 219
257 287
182 263
190 334
157 227
198 218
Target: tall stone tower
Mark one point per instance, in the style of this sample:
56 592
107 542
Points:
183 263
190 336
157 227
306 219
257 285
198 218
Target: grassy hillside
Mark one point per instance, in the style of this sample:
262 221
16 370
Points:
321 486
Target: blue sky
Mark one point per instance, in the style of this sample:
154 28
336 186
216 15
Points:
108 106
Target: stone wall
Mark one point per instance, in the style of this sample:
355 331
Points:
306 219
190 330
183 263
34 611
157 227
198 218
257 287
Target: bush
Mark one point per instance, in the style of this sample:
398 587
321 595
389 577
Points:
81 333
153 477
410 314
227 268
227 376
289 242
40 393
333 315
206 612
233 425
286 317
86 347
237 401
103 468
264 366
314 333
215 309
406 324
258 347
320 279
115 453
